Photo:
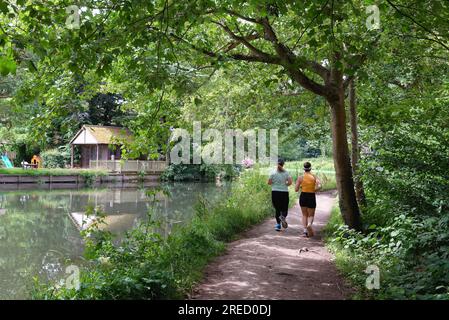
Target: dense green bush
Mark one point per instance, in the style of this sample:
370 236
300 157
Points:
407 218
146 266
204 172
56 158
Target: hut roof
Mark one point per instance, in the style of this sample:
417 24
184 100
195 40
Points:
90 134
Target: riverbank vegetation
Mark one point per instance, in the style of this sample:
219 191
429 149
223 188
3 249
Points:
200 172
146 266
406 218
54 172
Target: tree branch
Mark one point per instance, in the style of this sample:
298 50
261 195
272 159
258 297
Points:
242 40
288 55
285 57
310 23
306 82
238 15
437 39
270 59
191 45
235 44
317 68
291 62
250 58
361 60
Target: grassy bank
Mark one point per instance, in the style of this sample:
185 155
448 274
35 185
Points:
53 172
348 263
146 266
355 251
318 164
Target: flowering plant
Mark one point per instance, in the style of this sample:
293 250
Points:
248 163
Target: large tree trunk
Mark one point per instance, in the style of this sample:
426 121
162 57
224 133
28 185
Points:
355 154
334 93
343 170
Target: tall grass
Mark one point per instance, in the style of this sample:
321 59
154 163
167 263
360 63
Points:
318 164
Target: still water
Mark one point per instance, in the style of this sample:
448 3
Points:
40 229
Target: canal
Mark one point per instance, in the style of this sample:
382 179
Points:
40 229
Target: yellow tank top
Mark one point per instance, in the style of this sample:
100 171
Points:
308 183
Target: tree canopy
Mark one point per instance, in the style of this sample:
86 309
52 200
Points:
155 53
154 65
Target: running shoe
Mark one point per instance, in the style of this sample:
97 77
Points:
284 222
277 227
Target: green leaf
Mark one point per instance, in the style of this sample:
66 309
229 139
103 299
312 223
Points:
7 66
4 7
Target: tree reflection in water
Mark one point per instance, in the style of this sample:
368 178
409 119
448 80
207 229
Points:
38 234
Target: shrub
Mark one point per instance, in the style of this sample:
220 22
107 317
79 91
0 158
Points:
56 158
406 221
204 172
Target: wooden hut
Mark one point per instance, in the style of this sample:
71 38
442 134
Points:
99 143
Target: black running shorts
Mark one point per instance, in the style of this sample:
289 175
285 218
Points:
307 199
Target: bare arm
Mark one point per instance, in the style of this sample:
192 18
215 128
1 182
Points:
317 184
298 184
270 181
289 181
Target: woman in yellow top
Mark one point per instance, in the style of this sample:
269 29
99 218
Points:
309 184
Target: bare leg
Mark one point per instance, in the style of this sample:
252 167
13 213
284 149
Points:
311 215
304 217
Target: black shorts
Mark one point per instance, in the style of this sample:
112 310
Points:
307 199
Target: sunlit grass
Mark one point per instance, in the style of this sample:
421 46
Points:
318 165
52 172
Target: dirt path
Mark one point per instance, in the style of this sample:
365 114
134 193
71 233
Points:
265 264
